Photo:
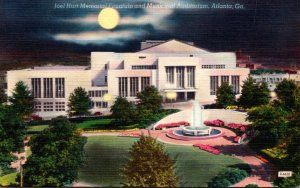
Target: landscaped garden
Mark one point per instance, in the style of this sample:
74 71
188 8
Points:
107 154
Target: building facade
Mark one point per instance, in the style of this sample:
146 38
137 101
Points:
171 66
272 79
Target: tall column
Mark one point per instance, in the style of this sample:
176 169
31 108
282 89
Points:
128 87
185 85
175 77
139 84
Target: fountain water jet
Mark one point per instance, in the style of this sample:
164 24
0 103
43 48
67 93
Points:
197 128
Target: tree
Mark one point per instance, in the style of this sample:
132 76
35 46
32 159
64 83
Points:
225 95
3 96
79 102
12 133
22 100
287 93
262 94
149 99
57 154
149 165
254 94
123 112
270 122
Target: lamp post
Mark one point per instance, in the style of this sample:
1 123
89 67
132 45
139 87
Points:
21 171
171 95
107 98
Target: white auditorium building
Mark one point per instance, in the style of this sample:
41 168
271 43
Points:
170 66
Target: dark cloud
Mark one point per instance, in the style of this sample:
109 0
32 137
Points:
263 29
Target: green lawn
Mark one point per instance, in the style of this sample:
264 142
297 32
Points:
106 154
8 179
92 124
97 123
36 128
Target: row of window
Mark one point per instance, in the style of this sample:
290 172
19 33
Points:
99 104
134 86
49 106
269 80
214 83
213 66
180 76
45 88
61 106
97 93
144 67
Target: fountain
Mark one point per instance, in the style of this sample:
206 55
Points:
197 131
197 128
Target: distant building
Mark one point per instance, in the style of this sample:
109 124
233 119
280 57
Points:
272 79
294 75
171 66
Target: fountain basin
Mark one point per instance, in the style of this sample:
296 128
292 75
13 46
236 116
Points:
196 130
179 135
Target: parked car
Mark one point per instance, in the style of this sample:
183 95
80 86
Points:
98 113
36 117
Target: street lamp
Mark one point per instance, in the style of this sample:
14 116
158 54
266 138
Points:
171 95
107 98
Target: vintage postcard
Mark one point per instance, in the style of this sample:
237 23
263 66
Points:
149 93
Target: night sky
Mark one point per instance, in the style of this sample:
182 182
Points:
36 30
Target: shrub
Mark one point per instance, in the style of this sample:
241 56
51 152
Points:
228 177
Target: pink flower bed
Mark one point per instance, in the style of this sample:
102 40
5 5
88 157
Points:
208 148
135 135
240 126
171 125
236 139
216 122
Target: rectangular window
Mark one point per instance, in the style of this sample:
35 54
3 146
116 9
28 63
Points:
48 88
105 79
180 77
123 86
106 66
98 104
139 67
48 106
60 87
145 81
37 106
134 86
235 82
104 104
214 80
225 79
213 66
170 75
190 77
59 106
36 87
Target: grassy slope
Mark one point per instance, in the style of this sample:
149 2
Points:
106 154
8 179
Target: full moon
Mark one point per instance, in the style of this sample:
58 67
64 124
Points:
108 18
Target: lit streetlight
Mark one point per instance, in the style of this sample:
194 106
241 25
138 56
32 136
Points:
107 98
171 95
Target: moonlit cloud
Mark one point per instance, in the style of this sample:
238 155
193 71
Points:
157 18
99 37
